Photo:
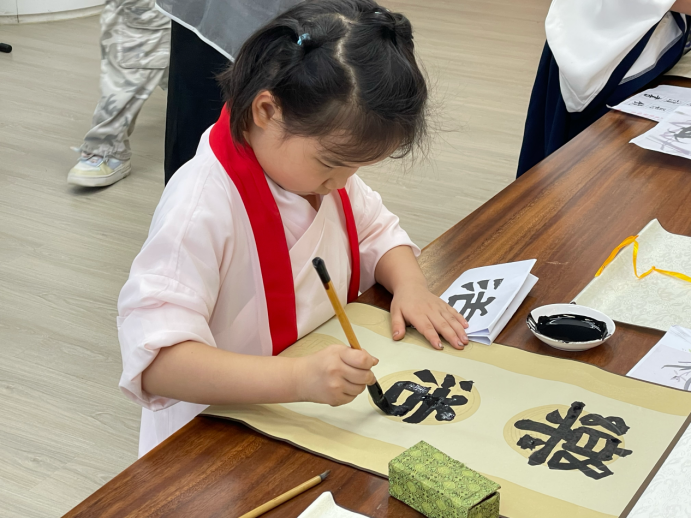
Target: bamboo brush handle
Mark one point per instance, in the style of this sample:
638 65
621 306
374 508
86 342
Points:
265 508
375 389
320 266
342 317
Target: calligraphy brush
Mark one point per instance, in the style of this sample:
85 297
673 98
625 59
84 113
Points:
286 496
375 390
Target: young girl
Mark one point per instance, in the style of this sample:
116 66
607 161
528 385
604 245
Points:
224 281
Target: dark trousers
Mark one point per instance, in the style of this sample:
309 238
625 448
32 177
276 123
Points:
194 97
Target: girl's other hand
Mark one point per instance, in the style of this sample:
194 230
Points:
429 314
335 375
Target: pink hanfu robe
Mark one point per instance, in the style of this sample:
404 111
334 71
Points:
203 276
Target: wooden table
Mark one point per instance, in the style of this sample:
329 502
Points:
569 212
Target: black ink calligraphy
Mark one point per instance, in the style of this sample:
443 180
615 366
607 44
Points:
437 402
568 435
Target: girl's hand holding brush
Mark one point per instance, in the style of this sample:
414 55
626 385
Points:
335 375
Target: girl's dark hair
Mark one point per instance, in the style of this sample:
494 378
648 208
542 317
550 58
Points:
335 68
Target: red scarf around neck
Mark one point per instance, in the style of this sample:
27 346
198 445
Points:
269 235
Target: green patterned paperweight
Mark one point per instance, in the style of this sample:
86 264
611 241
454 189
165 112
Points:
438 486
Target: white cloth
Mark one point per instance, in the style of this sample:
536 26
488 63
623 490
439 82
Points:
589 38
224 24
198 276
325 507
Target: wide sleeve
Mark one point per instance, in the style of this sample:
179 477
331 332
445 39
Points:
174 281
589 38
378 229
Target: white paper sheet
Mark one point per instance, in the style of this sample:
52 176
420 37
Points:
325 507
668 362
677 338
665 366
489 296
656 103
671 136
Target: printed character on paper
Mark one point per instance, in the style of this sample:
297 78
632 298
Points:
682 373
585 442
429 397
675 137
683 133
475 298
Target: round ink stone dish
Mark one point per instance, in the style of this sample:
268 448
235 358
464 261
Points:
570 327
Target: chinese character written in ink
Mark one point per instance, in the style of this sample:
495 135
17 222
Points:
437 402
652 96
480 303
578 443
638 103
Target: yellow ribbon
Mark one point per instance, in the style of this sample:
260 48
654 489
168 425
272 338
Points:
628 241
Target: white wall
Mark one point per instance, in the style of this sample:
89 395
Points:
8 7
18 11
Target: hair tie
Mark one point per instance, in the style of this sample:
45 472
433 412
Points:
304 37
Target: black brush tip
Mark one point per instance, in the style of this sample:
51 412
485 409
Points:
325 474
379 399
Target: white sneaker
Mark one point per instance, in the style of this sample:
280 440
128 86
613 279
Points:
96 171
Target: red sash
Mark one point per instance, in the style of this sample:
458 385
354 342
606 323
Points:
269 235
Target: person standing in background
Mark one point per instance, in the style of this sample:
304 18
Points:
135 48
598 53
206 35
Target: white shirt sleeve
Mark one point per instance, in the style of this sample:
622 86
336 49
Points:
589 38
378 229
174 281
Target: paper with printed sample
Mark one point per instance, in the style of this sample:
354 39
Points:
668 362
671 136
656 103
489 296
